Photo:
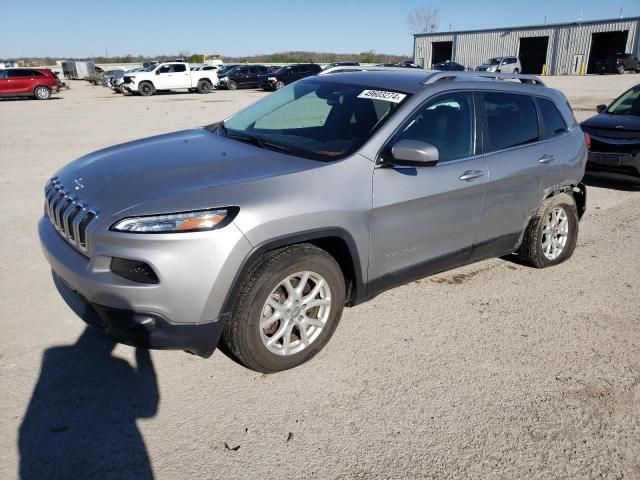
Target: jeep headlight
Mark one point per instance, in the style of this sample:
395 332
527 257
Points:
197 221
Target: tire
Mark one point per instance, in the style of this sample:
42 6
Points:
145 89
42 93
123 90
231 85
204 87
620 70
637 70
538 248
263 287
516 71
279 85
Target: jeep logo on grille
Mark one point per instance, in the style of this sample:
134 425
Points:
78 185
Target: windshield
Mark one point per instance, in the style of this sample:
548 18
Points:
627 104
315 119
493 61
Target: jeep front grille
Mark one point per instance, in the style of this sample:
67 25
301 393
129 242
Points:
69 215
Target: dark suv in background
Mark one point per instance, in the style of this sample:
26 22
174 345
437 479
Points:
287 75
244 76
618 63
28 82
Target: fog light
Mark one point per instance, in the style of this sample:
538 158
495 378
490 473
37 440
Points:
134 270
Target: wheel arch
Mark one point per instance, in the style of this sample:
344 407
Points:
578 192
336 241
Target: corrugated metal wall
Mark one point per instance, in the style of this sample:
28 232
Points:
565 41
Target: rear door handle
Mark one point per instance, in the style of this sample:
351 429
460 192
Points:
471 175
547 158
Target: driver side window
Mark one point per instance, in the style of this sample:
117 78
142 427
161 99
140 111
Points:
446 122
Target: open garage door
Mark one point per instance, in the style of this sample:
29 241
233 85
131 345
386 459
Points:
441 52
533 54
605 45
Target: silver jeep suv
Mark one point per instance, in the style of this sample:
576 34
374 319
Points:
255 232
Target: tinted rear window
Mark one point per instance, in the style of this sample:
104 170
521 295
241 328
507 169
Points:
552 119
511 120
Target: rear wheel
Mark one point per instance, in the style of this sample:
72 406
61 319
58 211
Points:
146 89
516 71
288 308
204 86
552 233
42 93
620 70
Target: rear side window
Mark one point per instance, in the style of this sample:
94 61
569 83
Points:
179 67
552 119
511 121
18 73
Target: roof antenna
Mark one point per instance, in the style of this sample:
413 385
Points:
620 12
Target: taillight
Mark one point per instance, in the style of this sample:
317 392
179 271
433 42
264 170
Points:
618 61
587 140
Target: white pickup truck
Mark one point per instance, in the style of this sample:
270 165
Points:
170 76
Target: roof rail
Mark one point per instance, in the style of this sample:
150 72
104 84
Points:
364 68
529 79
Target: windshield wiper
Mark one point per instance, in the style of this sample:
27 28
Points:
257 141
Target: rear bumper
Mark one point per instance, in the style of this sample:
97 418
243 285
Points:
613 162
140 329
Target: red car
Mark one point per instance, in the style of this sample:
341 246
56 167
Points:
28 82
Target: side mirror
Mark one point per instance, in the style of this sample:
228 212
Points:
601 108
158 72
415 152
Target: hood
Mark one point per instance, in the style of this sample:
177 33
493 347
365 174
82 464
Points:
176 164
606 121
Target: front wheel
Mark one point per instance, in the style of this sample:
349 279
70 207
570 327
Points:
42 93
288 308
231 85
279 84
552 233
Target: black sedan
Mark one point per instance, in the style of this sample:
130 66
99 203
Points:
449 66
615 136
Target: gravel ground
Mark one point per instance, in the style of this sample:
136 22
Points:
494 370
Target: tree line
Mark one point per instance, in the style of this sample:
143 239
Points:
280 57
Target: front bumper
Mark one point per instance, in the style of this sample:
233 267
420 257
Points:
182 311
140 329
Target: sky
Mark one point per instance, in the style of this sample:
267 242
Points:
81 28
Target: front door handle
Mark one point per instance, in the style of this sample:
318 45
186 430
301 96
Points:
471 175
547 158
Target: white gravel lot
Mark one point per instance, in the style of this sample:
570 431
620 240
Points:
494 370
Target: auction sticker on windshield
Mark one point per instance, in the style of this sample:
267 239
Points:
393 97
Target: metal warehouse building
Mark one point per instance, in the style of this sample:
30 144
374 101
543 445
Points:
561 49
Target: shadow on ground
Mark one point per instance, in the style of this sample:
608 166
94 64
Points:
612 182
81 421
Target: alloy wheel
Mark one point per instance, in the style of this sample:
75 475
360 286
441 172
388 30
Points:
555 232
295 313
